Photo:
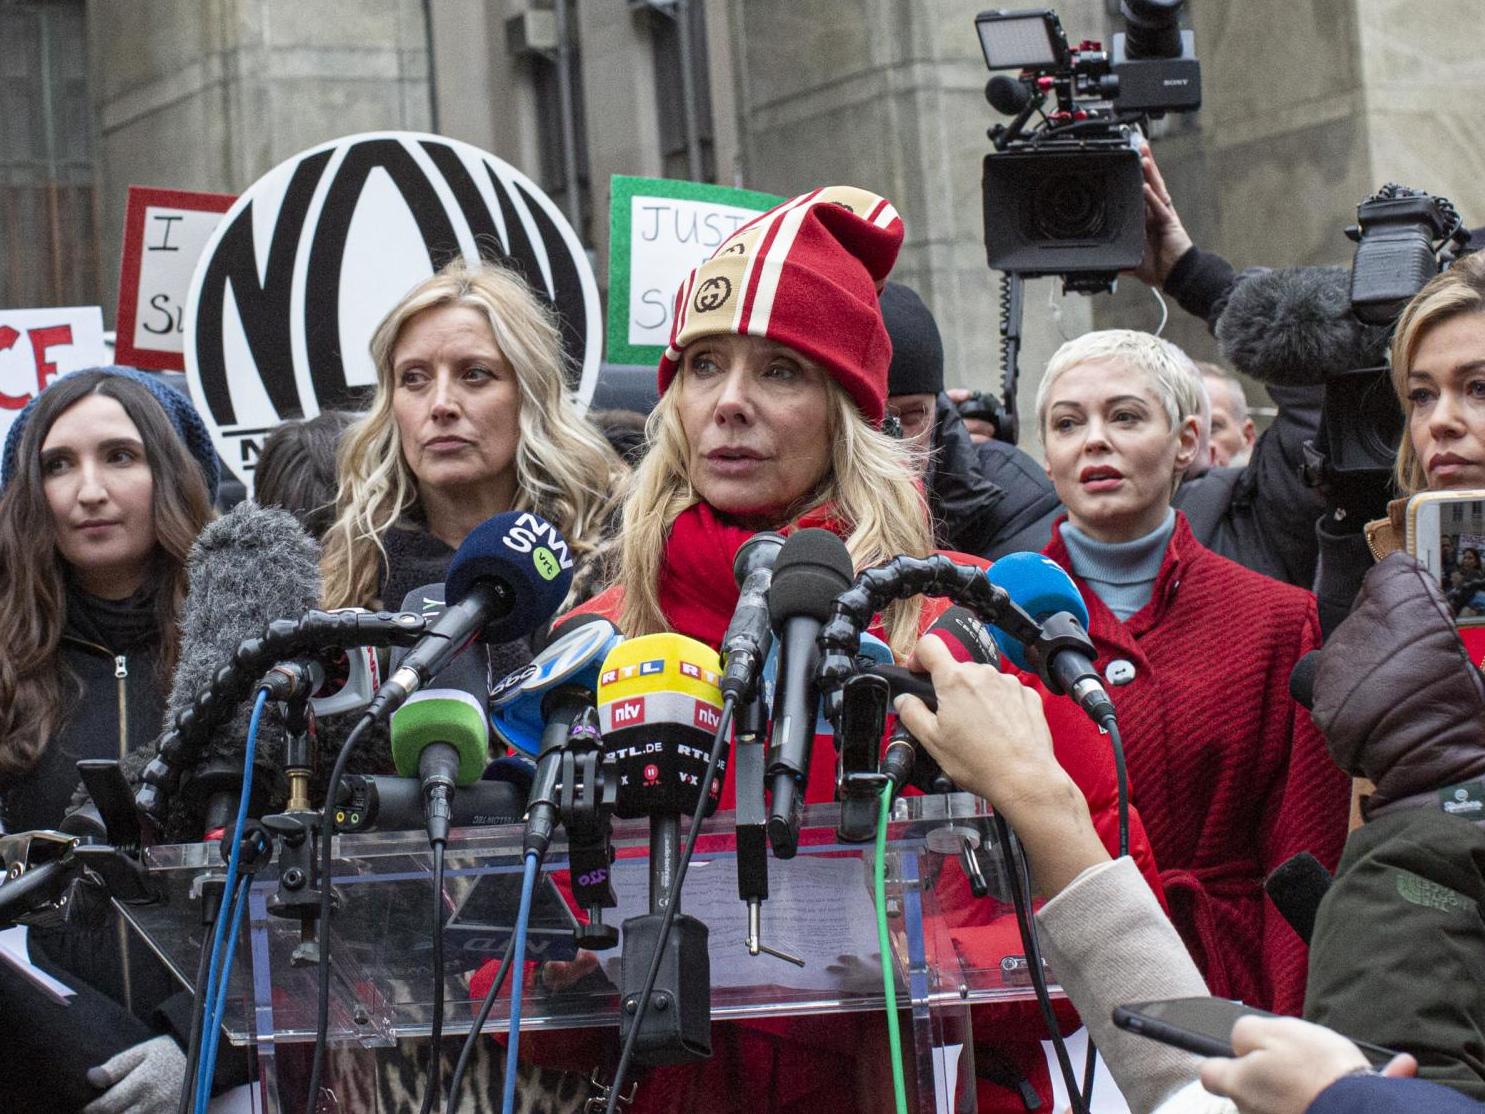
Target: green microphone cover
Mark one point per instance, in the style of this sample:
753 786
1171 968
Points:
441 716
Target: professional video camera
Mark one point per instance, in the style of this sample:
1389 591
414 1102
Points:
1404 237
1066 197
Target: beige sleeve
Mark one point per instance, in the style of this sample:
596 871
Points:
1109 943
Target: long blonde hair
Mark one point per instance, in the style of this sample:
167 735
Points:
872 486
1459 290
565 471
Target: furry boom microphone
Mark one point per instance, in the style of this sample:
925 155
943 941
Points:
1293 327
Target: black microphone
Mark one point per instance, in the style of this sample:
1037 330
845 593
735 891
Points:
750 633
508 577
468 671
811 569
1302 680
249 567
1007 95
1296 888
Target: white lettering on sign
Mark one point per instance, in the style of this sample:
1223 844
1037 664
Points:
37 345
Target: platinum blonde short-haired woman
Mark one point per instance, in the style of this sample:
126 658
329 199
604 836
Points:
471 417
772 393
1229 772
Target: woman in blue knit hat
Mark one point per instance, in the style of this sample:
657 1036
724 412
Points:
108 476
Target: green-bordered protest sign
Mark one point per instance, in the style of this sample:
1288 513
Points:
660 229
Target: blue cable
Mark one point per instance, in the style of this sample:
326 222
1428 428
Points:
213 1035
518 961
210 1014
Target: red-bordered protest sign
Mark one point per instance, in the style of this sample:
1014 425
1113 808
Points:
165 232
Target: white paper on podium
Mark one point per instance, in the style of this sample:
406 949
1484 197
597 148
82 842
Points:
15 954
819 909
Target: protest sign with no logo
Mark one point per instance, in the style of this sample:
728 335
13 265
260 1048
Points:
164 232
660 230
37 345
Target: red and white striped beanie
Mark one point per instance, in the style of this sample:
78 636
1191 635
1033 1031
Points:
806 273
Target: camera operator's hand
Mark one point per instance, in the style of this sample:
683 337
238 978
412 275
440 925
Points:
979 431
1283 1064
1166 239
990 735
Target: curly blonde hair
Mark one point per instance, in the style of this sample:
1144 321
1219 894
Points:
872 485
565 471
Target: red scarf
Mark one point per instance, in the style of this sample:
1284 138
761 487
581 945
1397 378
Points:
697 591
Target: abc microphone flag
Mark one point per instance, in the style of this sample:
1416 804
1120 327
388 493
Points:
659 705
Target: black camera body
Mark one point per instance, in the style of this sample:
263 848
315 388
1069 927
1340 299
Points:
1404 237
1066 197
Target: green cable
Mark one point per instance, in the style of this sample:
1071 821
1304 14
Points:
889 983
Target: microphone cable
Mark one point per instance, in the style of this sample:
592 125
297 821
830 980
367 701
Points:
435 1033
672 904
518 960
218 1007
1020 882
884 944
327 834
457 1079
204 1047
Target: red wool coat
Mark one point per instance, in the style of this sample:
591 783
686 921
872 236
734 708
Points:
1230 775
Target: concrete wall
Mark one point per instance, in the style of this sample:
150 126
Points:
210 94
890 95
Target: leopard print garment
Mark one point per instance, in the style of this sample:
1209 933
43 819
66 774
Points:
392 1081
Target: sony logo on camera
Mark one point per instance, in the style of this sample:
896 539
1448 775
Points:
1067 197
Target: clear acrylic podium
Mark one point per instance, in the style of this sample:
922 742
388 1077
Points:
950 950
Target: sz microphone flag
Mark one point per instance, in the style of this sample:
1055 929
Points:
659 705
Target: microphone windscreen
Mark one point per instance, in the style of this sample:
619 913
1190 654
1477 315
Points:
758 552
1302 679
965 634
1292 327
1006 94
441 716
812 568
1041 587
249 567
658 706
1296 888
573 657
526 554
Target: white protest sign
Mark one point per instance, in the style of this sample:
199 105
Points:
37 345
164 234
660 230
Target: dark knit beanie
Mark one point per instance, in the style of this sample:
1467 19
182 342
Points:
917 349
178 408
807 274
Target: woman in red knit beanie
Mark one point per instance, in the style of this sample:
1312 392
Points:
773 390
1228 772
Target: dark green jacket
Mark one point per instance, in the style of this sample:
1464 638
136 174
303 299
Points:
1398 953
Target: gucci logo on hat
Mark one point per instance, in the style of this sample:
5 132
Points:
738 248
712 294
